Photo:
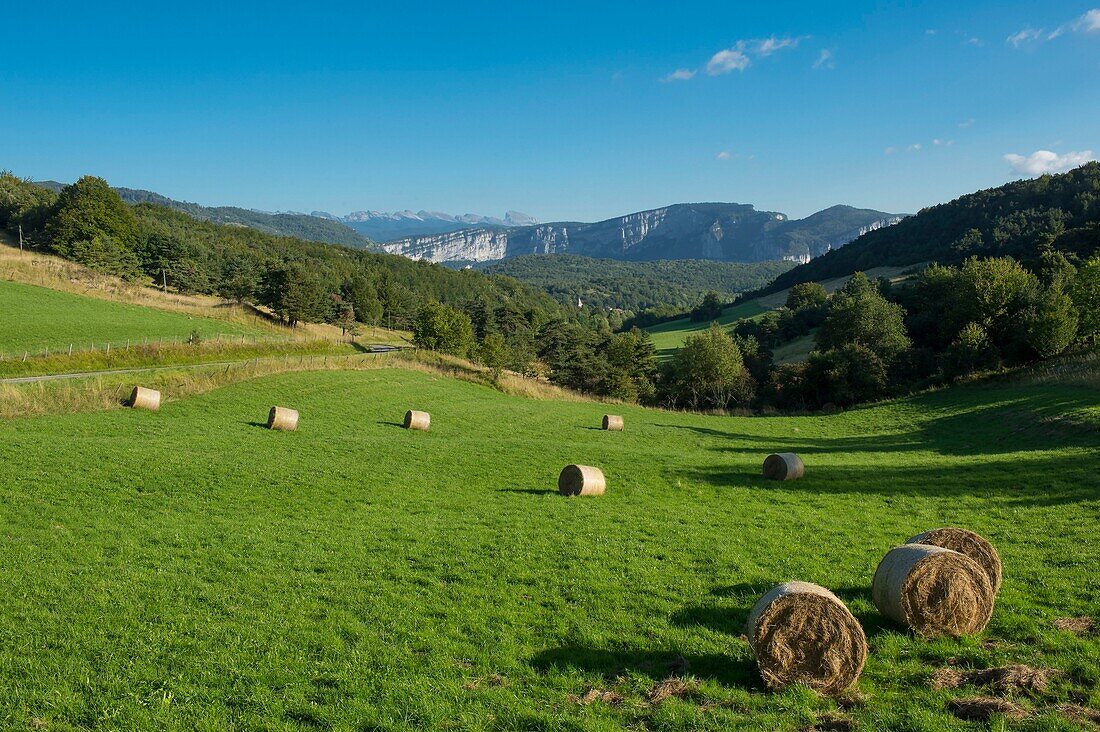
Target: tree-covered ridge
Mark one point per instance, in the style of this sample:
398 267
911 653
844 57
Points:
300 280
665 285
1019 219
301 226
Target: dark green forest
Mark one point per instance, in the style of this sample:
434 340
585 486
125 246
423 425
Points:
656 288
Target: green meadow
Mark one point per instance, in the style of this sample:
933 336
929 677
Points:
668 337
35 318
191 570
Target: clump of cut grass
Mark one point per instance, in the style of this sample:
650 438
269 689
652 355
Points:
984 708
1081 625
1003 680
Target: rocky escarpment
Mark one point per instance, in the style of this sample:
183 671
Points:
722 231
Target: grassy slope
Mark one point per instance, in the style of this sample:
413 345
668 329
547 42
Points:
191 570
35 317
668 337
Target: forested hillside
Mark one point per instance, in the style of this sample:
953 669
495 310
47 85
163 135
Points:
1020 219
665 286
300 280
302 226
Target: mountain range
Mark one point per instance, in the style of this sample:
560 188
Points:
731 232
383 226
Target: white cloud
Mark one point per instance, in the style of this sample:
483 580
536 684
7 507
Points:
680 75
966 123
1089 22
825 60
1042 162
724 155
975 41
1024 36
891 150
768 46
915 147
931 32
731 59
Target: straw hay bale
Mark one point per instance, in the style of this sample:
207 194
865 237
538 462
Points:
281 418
934 591
581 480
142 398
783 466
802 633
966 542
417 420
613 422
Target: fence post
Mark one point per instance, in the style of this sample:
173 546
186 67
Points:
70 349
47 351
108 348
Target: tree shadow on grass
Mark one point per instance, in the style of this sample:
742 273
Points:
1006 482
658 665
257 424
1038 421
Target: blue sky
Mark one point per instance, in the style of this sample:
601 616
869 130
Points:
572 111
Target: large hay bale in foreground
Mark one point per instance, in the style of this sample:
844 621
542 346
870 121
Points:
142 398
966 542
581 480
934 591
783 466
417 420
802 633
281 418
613 422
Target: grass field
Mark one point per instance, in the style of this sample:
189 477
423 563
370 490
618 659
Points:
668 337
190 570
38 317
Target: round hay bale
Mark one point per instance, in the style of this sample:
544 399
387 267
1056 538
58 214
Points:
613 423
142 398
581 480
802 633
281 418
417 420
966 542
783 466
934 591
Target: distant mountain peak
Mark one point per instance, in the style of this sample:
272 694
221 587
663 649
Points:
385 225
733 232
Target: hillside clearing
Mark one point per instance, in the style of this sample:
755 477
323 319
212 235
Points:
39 317
189 569
668 337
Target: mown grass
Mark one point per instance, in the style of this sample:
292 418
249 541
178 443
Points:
189 569
35 318
668 337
